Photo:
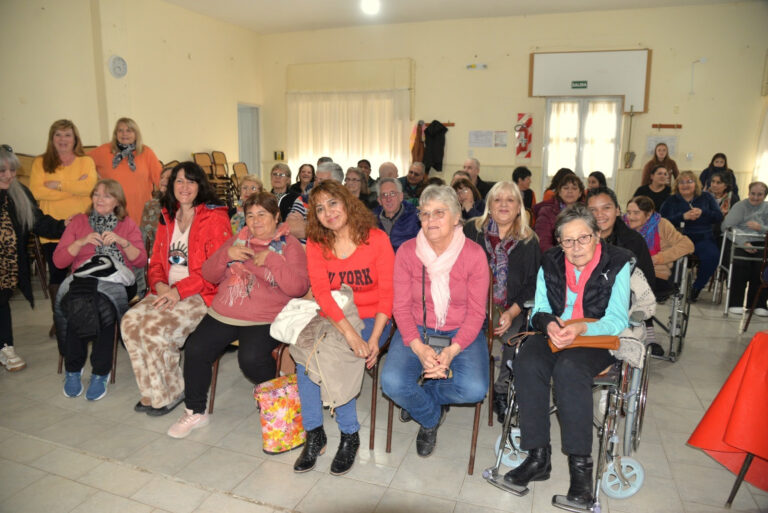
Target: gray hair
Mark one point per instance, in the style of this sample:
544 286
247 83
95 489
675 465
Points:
419 165
444 194
283 168
23 206
382 181
575 212
331 167
475 162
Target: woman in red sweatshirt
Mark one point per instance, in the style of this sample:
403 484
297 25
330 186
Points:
344 247
258 271
191 228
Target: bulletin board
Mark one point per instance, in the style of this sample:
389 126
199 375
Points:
624 73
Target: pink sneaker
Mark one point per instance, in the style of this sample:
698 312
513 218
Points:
187 423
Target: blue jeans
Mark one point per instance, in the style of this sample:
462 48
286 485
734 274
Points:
312 404
402 370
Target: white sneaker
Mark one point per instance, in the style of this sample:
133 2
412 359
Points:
188 422
761 312
736 310
10 360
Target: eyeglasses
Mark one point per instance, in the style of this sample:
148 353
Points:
389 194
438 213
249 187
352 180
583 240
280 175
686 182
6 148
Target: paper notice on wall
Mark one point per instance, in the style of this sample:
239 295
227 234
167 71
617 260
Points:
481 138
500 139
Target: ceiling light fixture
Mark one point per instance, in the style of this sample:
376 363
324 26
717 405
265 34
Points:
370 7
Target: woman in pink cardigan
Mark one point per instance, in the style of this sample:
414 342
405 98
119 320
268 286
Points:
257 271
452 272
105 229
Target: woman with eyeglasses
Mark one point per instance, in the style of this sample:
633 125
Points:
132 163
61 179
514 256
344 247
696 213
305 180
472 205
660 158
19 214
580 278
257 271
280 178
439 354
192 226
249 184
569 191
356 183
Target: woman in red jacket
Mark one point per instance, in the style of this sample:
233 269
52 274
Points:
191 228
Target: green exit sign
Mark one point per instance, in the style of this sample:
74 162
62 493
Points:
578 84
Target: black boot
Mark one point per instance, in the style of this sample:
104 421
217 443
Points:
500 405
580 468
313 447
536 467
426 440
345 456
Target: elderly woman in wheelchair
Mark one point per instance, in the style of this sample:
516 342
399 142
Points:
583 289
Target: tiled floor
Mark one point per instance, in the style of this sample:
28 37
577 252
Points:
70 455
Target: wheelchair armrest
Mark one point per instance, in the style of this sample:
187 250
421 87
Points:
529 304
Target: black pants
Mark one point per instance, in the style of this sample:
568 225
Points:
76 350
572 371
6 328
55 275
206 344
747 272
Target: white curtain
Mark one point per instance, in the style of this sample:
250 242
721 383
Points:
563 137
349 126
761 158
599 141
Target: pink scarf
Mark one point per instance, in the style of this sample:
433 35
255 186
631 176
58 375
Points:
578 287
439 270
240 281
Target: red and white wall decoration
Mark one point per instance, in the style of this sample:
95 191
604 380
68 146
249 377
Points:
523 134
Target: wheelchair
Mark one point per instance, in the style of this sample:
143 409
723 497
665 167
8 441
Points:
618 474
676 325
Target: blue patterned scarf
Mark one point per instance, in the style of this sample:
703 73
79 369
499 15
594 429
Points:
498 251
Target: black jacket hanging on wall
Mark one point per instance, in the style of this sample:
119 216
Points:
434 146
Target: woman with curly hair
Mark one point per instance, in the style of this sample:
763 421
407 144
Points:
343 247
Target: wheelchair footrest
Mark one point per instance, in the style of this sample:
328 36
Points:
562 502
492 476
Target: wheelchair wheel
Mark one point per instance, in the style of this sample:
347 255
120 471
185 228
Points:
642 398
613 486
512 455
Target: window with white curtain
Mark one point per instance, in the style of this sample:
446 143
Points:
582 134
349 126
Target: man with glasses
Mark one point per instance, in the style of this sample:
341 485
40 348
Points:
398 218
297 217
414 182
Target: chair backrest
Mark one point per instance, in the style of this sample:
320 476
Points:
220 166
22 174
87 149
240 169
203 160
171 164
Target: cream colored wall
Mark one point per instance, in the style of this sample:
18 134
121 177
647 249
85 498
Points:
186 73
723 115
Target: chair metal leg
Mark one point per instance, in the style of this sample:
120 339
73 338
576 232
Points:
491 392
40 264
739 479
390 416
114 353
760 289
475 432
374 397
214 376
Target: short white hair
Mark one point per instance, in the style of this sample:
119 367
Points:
444 194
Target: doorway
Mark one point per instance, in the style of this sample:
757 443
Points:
248 137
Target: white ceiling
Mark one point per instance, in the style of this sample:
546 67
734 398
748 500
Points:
272 16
